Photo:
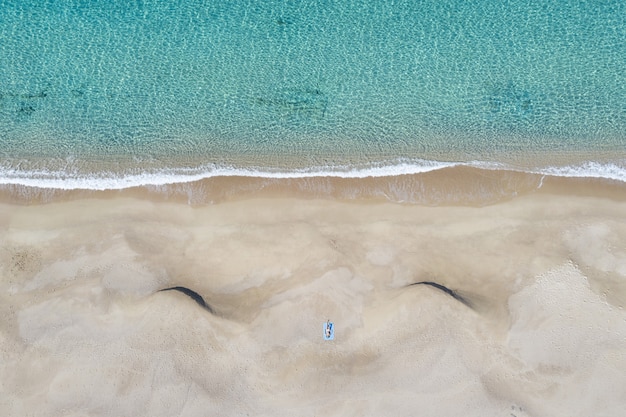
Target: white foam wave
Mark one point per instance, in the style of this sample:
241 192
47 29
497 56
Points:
613 171
72 179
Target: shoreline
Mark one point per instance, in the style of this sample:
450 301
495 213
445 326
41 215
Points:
456 185
131 171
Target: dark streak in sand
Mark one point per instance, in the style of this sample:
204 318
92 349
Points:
193 295
445 289
200 301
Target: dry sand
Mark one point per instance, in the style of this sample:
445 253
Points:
84 332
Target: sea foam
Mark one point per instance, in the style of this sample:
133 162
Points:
70 178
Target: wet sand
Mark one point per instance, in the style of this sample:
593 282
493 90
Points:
459 185
85 329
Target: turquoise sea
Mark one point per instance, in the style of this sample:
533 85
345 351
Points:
118 93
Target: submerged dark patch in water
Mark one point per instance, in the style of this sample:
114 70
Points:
26 109
193 295
512 108
445 289
283 22
22 104
77 92
510 101
296 103
24 96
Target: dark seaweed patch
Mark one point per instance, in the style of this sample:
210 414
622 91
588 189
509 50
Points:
193 295
445 289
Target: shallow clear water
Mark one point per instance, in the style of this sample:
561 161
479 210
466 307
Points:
281 86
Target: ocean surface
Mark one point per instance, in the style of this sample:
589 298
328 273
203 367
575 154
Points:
115 94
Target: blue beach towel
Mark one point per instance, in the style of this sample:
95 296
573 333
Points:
332 331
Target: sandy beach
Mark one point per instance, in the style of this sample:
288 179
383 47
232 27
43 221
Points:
191 191
85 331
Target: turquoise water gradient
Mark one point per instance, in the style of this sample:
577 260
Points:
317 82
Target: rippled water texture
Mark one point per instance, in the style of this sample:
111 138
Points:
297 84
